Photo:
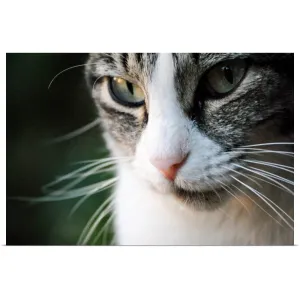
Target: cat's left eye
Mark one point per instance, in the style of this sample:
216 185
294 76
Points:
224 77
125 92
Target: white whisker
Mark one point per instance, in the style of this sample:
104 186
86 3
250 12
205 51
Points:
242 174
106 170
74 133
67 69
259 206
69 194
276 166
291 154
273 175
266 173
92 229
114 158
276 185
234 195
95 83
270 144
273 203
93 218
225 213
68 176
265 150
215 191
81 201
81 178
89 194
265 176
263 198
104 230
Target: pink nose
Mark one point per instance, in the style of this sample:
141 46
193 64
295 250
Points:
169 166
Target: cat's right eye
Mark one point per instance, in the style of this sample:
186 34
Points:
226 76
125 92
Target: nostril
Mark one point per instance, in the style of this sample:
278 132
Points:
169 167
165 164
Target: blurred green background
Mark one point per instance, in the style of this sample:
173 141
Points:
36 115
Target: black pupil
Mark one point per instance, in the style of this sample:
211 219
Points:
130 87
228 74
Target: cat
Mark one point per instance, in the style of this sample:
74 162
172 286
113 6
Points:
209 141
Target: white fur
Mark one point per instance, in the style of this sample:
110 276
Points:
147 217
166 135
144 216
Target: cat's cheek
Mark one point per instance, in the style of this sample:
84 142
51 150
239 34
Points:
152 177
116 149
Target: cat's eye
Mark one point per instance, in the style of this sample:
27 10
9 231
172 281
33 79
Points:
125 92
224 77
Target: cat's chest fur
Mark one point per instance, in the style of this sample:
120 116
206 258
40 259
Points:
145 217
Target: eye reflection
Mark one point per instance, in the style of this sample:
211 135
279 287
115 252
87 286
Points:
126 92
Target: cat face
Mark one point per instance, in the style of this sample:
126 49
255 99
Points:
183 117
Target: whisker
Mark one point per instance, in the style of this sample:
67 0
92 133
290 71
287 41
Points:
95 82
265 150
93 227
93 218
225 213
74 133
68 194
68 187
270 144
276 166
259 206
93 192
67 69
265 176
106 170
272 164
215 191
68 176
273 203
234 195
242 174
291 154
274 176
107 226
263 198
266 172
104 231
114 158
81 178
100 163
78 204
278 186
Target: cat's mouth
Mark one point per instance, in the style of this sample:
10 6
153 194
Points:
199 196
206 199
206 191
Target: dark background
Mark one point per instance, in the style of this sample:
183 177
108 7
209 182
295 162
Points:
35 115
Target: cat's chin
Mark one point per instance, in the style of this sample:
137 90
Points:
194 199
